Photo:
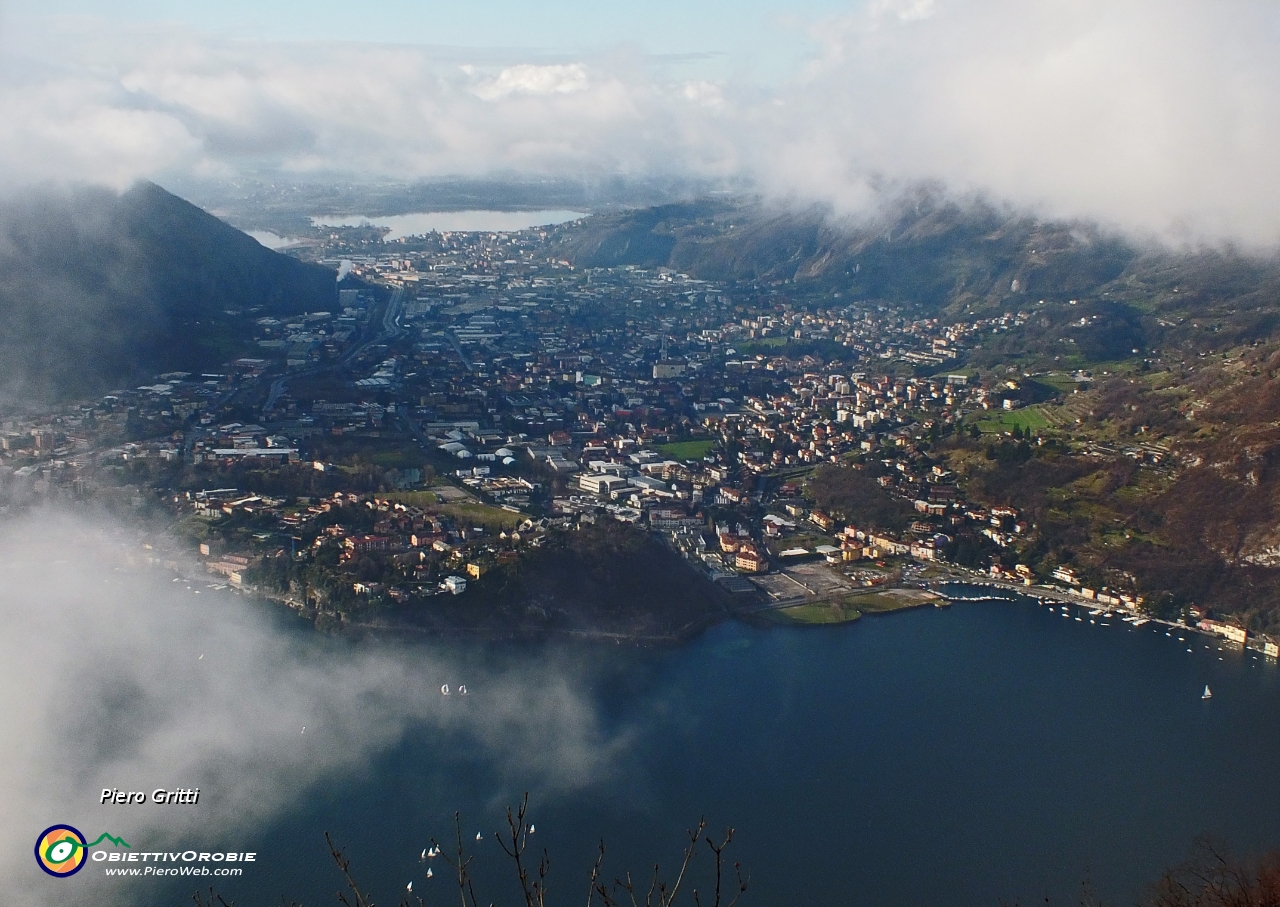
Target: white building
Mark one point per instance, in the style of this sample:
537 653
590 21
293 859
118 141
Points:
601 483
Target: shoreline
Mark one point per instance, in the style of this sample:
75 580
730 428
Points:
753 614
1044 595
517 633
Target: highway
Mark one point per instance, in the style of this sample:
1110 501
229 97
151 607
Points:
391 328
462 353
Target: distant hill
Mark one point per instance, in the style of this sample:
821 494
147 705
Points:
99 288
929 251
951 261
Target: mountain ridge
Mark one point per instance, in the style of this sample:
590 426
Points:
99 288
944 257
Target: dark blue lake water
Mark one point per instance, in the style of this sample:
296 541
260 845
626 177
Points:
988 752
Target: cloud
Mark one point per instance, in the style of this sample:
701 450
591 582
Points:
528 78
114 677
1154 116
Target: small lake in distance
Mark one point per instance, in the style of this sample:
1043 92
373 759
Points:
987 752
420 223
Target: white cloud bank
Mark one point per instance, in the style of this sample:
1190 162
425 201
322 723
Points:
114 678
1155 116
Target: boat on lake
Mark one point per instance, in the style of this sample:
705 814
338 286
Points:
1206 694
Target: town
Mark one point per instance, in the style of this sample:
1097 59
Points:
469 394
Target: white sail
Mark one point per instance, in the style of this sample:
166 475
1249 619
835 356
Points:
1206 694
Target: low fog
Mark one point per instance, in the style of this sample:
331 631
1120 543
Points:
114 676
1157 117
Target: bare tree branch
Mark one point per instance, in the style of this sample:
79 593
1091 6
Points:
460 863
684 867
533 882
344 867
595 874
517 828
215 900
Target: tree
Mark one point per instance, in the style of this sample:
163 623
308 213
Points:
1211 877
623 891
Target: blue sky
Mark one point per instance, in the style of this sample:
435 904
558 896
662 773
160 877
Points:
765 38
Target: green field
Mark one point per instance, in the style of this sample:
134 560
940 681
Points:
475 514
686 450
1030 418
398 458
1059 381
816 614
761 344
800 539
466 513
412 498
890 600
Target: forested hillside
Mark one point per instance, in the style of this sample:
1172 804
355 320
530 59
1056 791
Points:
99 288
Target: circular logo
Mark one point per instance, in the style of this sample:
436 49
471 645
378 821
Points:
61 850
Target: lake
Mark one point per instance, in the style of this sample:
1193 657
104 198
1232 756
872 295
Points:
986 752
423 222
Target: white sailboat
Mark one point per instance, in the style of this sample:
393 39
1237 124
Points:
1206 694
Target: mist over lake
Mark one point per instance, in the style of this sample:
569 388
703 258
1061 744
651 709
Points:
990 751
